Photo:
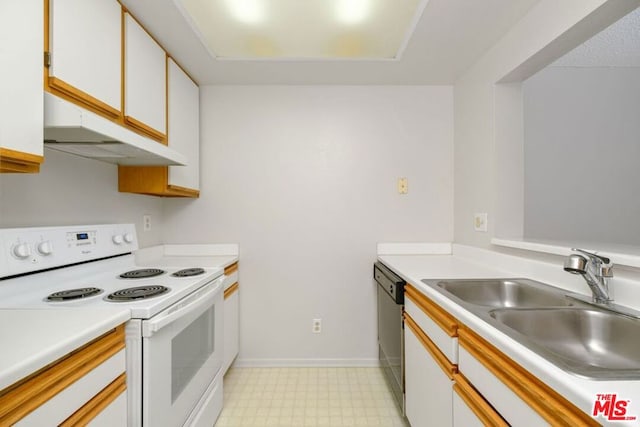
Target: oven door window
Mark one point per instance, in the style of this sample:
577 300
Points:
190 350
182 353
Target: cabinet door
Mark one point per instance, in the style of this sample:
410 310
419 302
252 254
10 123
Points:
184 127
21 103
145 64
231 325
86 59
428 390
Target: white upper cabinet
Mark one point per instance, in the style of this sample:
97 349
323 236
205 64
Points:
145 85
21 102
184 127
85 42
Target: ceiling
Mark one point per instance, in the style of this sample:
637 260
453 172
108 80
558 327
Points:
616 46
449 37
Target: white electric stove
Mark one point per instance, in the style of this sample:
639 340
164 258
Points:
174 338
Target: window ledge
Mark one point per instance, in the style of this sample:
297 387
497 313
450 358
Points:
619 254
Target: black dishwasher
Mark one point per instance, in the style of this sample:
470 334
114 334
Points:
390 337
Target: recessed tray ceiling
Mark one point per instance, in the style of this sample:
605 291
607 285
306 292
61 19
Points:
309 29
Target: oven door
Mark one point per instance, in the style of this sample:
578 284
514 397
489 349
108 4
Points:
181 354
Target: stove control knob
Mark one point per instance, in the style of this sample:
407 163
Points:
22 250
128 237
117 239
45 248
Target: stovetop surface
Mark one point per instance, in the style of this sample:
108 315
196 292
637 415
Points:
31 291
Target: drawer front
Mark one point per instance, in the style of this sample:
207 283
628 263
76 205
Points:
507 403
470 409
428 388
65 403
447 344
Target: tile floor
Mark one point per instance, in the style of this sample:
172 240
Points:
302 397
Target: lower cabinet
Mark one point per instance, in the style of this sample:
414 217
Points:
454 377
231 317
428 388
87 387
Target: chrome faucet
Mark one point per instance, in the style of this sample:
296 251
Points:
595 269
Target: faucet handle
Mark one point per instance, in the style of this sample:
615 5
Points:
594 256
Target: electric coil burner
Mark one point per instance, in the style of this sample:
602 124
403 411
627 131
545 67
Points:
188 272
73 294
142 273
137 293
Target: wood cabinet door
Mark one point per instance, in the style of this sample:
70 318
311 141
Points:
85 41
145 85
184 127
428 390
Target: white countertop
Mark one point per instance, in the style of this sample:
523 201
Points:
32 339
213 256
581 392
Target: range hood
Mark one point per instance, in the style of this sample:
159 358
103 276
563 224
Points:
72 129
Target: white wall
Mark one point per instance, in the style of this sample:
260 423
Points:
582 149
304 179
482 96
73 190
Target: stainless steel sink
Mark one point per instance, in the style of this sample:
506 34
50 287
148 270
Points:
587 341
505 292
595 341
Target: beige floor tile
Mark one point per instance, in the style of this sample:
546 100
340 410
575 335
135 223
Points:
300 397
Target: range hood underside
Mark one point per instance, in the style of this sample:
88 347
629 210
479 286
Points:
74 130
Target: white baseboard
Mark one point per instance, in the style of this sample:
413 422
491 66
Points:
306 363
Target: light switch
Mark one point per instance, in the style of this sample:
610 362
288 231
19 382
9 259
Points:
403 185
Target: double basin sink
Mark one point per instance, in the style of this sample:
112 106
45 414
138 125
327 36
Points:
588 340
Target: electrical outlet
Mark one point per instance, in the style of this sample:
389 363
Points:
403 185
480 222
146 222
317 326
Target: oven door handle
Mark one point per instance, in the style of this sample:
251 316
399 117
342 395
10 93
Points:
193 304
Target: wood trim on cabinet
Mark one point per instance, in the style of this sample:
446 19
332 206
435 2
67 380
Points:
553 407
446 321
231 290
152 181
24 397
12 161
231 268
65 90
442 360
480 407
97 404
123 55
183 70
145 129
177 191
166 97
